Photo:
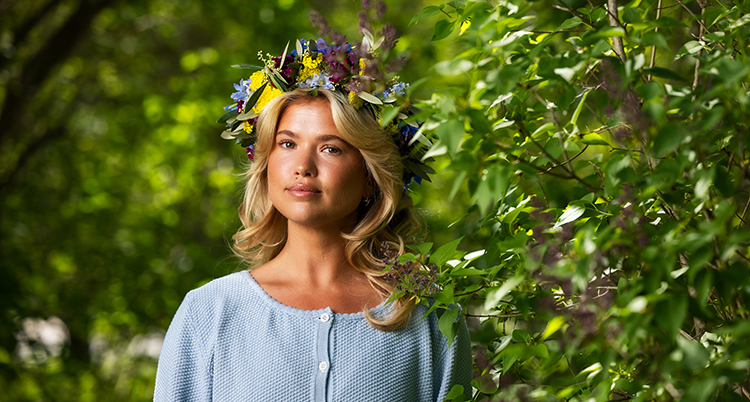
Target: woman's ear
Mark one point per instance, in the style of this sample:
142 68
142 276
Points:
370 186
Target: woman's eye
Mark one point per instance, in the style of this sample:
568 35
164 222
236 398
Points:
331 150
286 144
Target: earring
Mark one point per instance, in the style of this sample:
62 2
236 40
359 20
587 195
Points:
367 201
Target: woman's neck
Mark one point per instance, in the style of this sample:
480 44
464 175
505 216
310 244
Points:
312 272
315 256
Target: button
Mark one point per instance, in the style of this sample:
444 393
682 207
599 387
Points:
323 366
325 317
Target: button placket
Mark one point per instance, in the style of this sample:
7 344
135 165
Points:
324 322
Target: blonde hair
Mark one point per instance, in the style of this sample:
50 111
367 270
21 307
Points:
390 221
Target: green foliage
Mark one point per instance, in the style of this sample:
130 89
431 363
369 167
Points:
605 165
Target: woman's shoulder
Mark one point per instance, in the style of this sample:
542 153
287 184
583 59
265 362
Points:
219 296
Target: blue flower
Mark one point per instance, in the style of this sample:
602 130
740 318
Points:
406 129
243 91
318 81
399 89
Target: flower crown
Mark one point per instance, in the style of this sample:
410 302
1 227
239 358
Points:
353 71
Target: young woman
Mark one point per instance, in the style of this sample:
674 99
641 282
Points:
325 194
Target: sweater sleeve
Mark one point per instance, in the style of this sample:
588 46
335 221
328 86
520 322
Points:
183 373
455 365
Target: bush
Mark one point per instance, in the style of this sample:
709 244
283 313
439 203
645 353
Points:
606 162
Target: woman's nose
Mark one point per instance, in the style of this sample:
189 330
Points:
305 165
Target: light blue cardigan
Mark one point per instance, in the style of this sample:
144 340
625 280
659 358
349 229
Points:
230 341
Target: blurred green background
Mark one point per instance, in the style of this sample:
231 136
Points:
118 195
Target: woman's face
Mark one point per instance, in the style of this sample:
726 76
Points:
315 178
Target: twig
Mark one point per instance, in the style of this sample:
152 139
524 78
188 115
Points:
494 315
564 7
600 174
703 27
614 21
544 193
653 48
700 37
740 254
742 218
549 32
557 126
474 291
572 159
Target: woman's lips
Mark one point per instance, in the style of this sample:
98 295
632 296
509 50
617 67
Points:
302 190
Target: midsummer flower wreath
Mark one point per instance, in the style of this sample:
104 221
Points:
355 70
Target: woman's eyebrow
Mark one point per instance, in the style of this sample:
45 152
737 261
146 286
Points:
287 133
322 137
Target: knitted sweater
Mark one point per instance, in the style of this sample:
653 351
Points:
230 341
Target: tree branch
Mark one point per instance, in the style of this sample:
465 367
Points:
38 67
31 149
614 21
653 48
20 34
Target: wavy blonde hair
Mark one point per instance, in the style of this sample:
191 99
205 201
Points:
389 221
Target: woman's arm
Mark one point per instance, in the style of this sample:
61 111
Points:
184 372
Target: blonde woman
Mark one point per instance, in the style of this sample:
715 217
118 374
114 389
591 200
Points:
309 321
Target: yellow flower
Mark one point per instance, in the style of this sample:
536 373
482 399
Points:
355 100
256 81
362 65
310 66
247 126
269 94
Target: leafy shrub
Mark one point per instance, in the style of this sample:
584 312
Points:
606 161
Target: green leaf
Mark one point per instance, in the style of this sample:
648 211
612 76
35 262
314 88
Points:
496 295
569 23
421 248
617 162
606 32
447 324
370 98
446 295
577 112
456 394
594 139
694 355
247 66
664 73
254 98
450 134
453 67
667 140
444 253
655 39
571 213
553 326
226 116
443 29
468 272
428 11
388 114
691 47
670 313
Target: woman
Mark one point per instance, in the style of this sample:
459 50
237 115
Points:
310 322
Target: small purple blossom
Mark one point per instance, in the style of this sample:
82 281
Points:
409 277
250 152
390 36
